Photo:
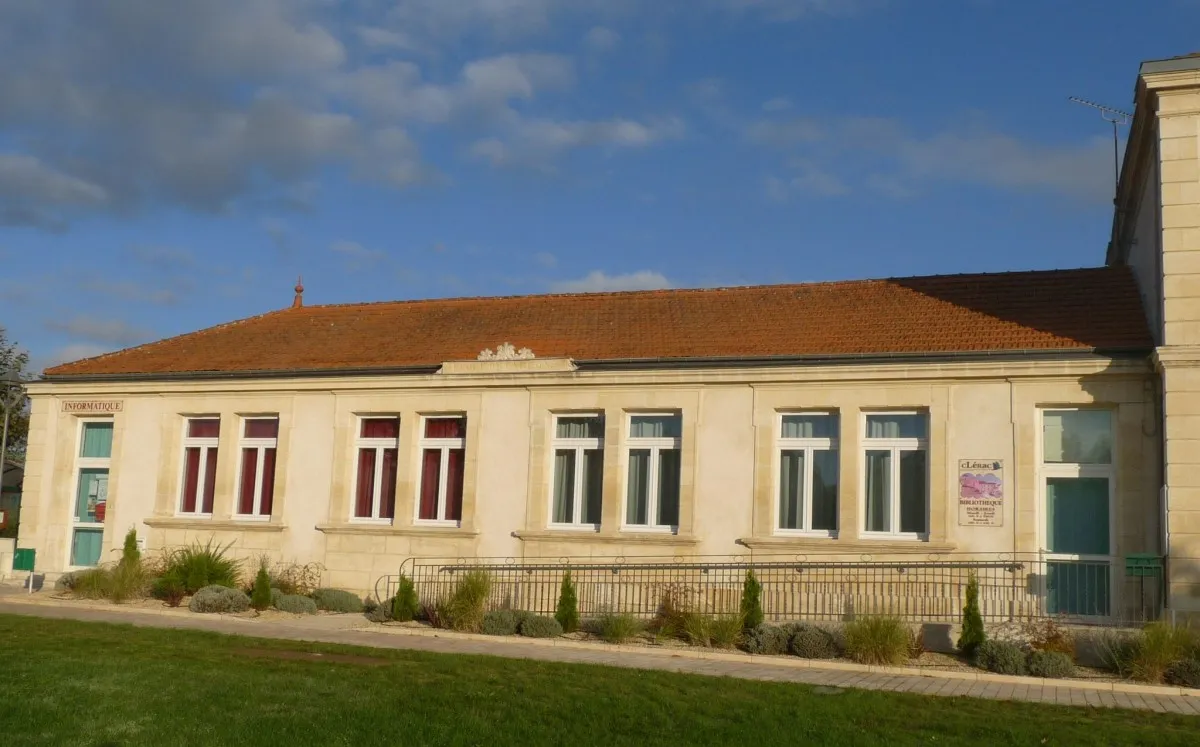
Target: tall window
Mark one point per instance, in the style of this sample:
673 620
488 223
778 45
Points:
1077 474
199 465
808 473
652 495
256 484
375 481
897 474
91 491
443 451
578 469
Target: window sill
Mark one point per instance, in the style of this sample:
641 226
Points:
395 531
835 545
624 538
189 522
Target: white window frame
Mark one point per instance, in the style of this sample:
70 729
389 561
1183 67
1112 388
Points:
379 445
204 444
446 445
655 445
897 446
260 445
579 446
808 446
82 463
1046 470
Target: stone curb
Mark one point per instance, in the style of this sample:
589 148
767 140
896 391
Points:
665 653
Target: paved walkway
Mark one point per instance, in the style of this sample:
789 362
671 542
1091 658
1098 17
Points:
353 630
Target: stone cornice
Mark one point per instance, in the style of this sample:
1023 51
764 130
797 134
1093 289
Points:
1176 356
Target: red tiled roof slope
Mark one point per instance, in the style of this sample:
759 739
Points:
1095 308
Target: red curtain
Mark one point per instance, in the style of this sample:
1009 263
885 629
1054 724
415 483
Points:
366 483
249 472
454 485
387 499
268 482
191 475
262 428
206 428
210 481
381 428
431 467
445 428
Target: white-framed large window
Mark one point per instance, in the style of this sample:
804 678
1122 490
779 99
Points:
807 476
198 484
1077 479
256 474
578 479
92 462
443 446
652 483
896 475
377 445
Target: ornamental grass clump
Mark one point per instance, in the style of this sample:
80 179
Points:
466 606
619 628
1184 673
877 640
197 566
337 600
1159 646
567 613
726 631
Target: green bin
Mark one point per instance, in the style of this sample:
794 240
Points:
1143 564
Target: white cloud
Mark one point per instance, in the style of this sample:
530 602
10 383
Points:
546 259
600 39
597 282
71 353
535 142
34 193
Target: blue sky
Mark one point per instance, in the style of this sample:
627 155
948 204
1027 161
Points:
166 166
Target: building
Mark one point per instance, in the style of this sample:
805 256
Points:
1049 414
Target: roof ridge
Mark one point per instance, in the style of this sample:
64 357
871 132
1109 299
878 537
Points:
697 290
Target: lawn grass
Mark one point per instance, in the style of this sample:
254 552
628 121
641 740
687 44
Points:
74 683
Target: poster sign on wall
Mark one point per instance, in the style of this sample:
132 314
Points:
980 493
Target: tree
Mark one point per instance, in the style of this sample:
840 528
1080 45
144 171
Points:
567 613
260 596
130 554
972 621
752 612
13 358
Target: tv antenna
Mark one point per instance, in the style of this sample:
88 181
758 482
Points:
1116 118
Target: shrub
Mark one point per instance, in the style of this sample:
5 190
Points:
501 622
726 631
91 584
766 640
876 640
200 565
464 610
294 603
260 597
405 605
66 582
1184 673
128 580
337 600
1050 664
536 626
1159 646
382 612
567 613
811 642
671 617
972 621
130 554
619 628
219 599
1047 635
1116 649
752 612
1001 657
294 578
697 629
168 588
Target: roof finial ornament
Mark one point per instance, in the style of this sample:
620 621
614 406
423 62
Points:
298 301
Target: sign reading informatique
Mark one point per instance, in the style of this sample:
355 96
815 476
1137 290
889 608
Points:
93 406
980 493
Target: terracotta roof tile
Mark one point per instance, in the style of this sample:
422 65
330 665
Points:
1096 308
